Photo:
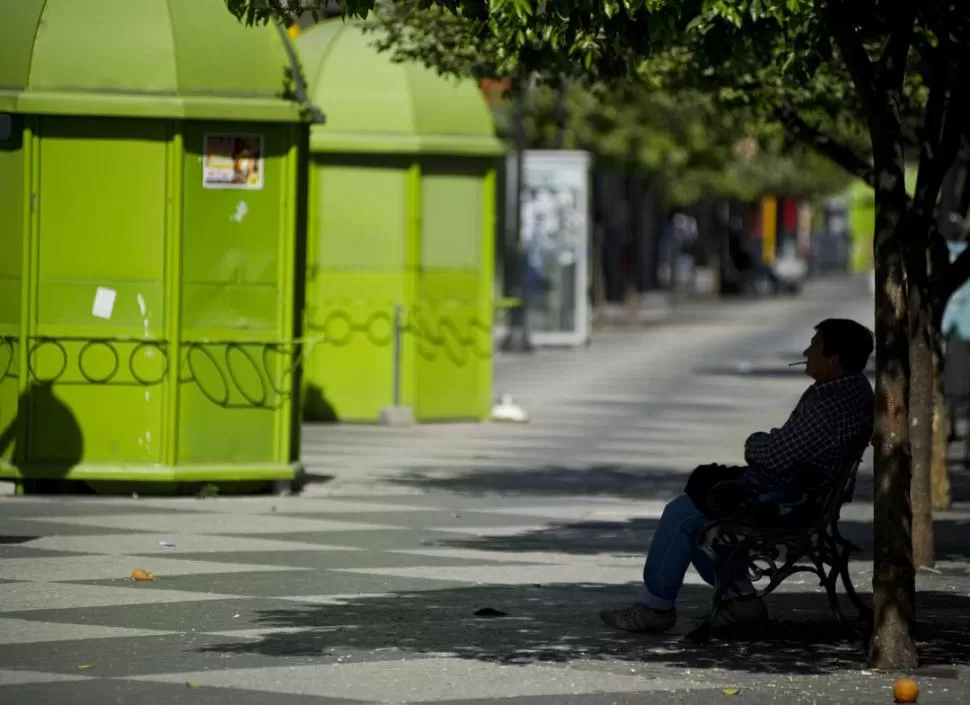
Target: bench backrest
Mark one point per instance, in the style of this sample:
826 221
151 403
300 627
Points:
841 491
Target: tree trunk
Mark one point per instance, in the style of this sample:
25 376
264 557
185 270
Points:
940 471
919 302
921 431
939 462
894 578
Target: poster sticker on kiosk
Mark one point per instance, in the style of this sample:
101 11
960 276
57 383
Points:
232 161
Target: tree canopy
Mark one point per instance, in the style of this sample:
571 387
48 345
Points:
685 139
679 131
872 84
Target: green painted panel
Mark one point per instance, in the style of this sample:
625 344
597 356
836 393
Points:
11 250
20 19
231 240
139 56
376 105
74 420
349 376
233 284
9 393
443 105
453 341
227 58
362 88
361 216
451 220
451 344
11 226
91 234
65 305
226 406
85 407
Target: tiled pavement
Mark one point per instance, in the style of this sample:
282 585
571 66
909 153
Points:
373 599
365 589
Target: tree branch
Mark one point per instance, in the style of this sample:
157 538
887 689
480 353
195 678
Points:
939 253
892 63
853 53
927 55
844 156
854 163
923 47
932 168
946 113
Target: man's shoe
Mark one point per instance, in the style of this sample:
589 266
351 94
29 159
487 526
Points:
640 618
743 611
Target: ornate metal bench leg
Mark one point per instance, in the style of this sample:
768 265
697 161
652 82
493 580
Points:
829 582
841 570
865 612
722 582
702 632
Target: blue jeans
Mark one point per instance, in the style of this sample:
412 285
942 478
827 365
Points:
673 548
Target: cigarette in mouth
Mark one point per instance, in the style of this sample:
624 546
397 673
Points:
798 364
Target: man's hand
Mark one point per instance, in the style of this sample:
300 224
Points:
753 438
759 437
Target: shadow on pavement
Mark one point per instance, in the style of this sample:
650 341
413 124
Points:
626 482
622 482
559 624
632 536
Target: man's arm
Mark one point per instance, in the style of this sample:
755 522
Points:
777 456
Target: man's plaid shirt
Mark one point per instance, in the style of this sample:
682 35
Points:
830 418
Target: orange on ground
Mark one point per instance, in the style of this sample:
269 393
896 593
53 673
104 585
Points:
906 691
141 574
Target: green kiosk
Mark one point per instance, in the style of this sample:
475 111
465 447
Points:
401 208
149 202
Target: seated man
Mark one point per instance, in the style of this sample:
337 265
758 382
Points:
834 415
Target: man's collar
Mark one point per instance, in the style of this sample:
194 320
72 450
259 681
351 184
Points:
837 381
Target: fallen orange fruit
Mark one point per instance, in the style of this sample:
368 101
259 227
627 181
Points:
141 574
906 691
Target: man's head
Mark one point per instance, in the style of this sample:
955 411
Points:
839 347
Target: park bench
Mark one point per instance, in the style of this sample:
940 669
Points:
801 536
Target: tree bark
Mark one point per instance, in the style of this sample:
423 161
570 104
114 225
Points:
894 578
921 324
940 492
921 428
939 464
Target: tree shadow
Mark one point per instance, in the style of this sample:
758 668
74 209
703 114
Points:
558 623
56 444
618 481
786 641
631 537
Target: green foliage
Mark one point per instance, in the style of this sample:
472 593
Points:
677 128
695 146
760 64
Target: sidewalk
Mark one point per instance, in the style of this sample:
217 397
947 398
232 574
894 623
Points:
373 599
660 399
365 589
